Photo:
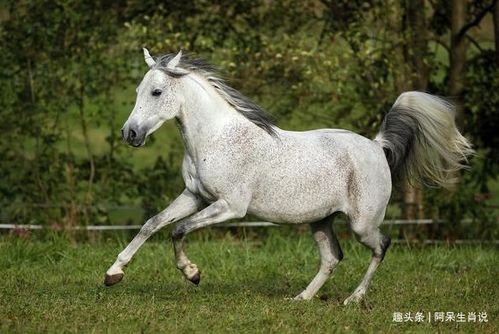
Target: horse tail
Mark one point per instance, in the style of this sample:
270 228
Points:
421 141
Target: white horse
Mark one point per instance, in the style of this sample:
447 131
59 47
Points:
237 162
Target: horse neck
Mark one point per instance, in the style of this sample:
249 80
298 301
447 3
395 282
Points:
204 114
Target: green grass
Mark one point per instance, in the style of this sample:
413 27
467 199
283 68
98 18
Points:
56 286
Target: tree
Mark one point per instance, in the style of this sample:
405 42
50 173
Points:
54 65
496 31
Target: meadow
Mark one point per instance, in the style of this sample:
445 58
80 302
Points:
50 284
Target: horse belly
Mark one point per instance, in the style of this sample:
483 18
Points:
298 199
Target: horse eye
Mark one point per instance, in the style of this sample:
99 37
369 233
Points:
156 92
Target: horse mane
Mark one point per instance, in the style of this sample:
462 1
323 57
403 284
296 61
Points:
233 97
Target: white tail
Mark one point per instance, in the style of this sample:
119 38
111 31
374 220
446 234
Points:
421 140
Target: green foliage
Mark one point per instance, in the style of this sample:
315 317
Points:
469 202
69 69
52 66
157 180
482 104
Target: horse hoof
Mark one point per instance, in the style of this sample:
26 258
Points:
196 278
353 299
113 279
302 296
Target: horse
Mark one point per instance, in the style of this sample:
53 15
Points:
238 162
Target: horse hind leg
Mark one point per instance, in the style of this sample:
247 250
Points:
367 232
330 253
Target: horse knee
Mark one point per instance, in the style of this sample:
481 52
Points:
148 228
151 226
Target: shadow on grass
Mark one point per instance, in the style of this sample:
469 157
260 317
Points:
173 290
248 288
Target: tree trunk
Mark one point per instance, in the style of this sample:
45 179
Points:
457 58
496 31
398 25
403 75
86 139
416 44
417 41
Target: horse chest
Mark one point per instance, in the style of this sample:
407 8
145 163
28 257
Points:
197 182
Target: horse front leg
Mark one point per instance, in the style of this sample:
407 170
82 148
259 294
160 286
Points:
217 212
184 205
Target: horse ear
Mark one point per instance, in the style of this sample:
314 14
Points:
175 61
147 57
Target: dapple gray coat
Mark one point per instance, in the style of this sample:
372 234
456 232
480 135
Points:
237 162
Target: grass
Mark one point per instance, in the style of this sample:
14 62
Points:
56 286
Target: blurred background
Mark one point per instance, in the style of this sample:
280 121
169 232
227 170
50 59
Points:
69 69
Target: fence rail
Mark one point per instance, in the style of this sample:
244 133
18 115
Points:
235 224
238 224
259 224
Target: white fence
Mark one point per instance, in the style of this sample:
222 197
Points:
257 224
238 224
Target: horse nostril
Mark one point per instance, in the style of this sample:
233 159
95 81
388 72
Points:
132 135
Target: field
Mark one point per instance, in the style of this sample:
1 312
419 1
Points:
56 286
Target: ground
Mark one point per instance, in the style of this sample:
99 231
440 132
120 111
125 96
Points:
56 286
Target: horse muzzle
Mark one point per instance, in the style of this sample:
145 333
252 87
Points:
133 135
